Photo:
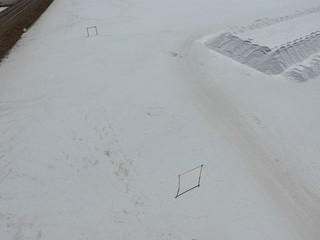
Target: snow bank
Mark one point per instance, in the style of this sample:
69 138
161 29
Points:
309 69
260 44
261 23
272 61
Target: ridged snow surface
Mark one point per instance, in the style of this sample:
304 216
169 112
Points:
273 61
297 59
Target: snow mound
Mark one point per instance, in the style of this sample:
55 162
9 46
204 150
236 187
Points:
278 60
260 45
309 69
261 23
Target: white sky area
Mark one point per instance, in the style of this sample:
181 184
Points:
95 130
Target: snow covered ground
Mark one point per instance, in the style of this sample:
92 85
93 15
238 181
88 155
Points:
95 130
2 8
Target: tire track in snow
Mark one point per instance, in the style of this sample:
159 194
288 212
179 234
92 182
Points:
297 202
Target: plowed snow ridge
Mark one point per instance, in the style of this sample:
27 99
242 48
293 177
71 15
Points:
297 59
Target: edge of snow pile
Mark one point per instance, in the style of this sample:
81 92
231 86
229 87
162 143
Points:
18 26
270 61
297 60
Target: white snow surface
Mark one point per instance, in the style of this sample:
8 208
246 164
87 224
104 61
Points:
272 45
94 131
278 34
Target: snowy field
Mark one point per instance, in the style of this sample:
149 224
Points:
94 131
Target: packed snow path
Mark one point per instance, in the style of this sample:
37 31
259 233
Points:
95 130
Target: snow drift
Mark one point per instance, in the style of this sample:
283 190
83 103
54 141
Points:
275 46
272 61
